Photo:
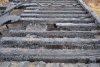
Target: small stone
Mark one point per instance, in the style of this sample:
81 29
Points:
14 64
24 64
32 64
56 65
5 64
49 65
41 64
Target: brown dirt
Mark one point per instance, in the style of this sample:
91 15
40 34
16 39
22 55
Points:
93 3
4 2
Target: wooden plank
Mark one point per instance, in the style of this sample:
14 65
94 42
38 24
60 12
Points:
48 55
54 9
31 42
89 25
51 11
83 34
55 15
54 1
56 20
51 3
50 8
33 64
78 27
41 7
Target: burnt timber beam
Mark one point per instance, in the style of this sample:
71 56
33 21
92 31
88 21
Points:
27 41
19 54
55 20
55 12
84 34
2 7
56 15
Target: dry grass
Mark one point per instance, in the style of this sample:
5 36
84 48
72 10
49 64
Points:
97 11
94 5
4 2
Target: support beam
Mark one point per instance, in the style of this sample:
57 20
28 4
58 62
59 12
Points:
54 12
55 15
27 41
56 20
83 34
18 54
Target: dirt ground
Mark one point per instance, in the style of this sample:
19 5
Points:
93 3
